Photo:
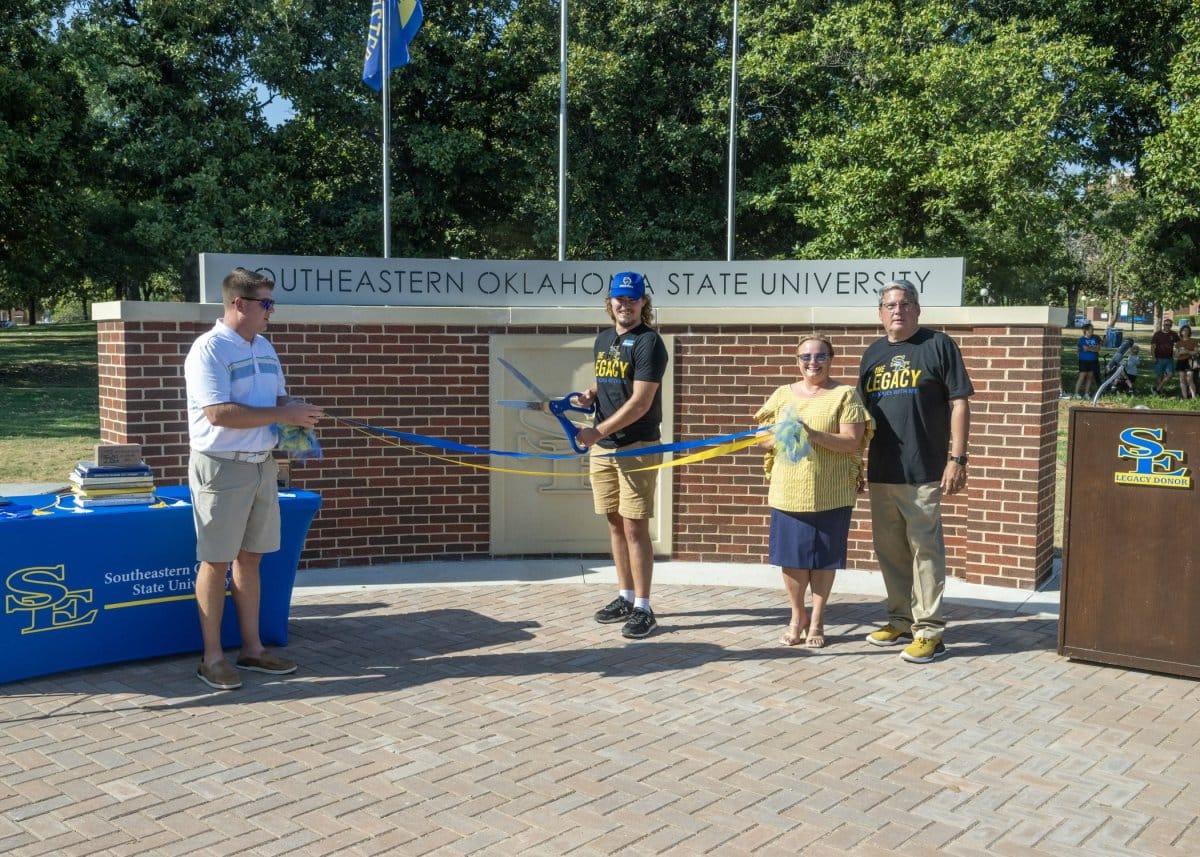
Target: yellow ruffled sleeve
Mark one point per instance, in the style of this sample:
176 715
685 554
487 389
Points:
768 415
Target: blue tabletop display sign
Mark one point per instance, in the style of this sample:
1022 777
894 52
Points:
98 586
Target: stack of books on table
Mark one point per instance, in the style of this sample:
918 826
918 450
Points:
115 485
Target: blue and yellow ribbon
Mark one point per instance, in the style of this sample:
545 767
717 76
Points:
722 445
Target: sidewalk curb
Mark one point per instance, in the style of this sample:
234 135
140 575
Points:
508 572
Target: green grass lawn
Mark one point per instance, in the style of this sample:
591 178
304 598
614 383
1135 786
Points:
1145 384
49 400
1145 380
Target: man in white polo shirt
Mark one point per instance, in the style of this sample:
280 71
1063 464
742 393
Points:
235 391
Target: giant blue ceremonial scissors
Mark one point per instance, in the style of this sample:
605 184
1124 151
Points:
557 408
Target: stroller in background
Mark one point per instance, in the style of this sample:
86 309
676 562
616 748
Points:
1115 369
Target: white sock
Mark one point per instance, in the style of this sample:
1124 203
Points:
627 594
642 604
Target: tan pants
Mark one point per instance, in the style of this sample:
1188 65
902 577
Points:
620 485
906 524
235 507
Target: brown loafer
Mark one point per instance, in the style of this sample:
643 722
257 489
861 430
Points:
266 663
220 676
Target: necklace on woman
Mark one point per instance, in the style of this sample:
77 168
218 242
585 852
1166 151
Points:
803 390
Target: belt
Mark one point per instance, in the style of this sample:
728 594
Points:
621 444
250 457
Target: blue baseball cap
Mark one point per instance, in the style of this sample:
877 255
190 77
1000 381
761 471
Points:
627 284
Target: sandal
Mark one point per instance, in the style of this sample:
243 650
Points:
794 635
816 640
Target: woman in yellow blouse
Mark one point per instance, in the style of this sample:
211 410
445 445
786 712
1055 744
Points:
812 490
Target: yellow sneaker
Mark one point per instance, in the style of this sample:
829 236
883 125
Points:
923 650
888 635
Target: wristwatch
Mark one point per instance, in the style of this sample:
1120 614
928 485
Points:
959 459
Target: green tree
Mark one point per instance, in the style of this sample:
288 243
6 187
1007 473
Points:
1128 249
187 158
1145 122
468 132
1172 162
648 112
43 148
931 130
1173 165
1137 42
866 128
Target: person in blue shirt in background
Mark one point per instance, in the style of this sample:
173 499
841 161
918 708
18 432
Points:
1089 363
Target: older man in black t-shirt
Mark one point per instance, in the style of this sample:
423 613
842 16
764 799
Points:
915 386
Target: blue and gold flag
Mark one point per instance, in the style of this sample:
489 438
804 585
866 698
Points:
404 19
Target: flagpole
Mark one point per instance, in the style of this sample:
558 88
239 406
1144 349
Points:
733 88
387 134
562 132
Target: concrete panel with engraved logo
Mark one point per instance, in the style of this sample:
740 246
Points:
550 512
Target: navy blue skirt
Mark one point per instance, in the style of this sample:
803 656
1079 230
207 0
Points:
811 540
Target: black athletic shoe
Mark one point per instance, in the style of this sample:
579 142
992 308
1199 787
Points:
617 610
641 624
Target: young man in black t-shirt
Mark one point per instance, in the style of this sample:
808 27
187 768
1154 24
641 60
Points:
915 385
630 361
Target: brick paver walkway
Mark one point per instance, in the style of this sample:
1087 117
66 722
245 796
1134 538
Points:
502 720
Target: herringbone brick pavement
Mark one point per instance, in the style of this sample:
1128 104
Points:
501 720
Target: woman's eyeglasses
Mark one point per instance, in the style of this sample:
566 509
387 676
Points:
814 358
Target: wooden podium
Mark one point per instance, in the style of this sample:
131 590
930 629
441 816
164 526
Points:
1130 575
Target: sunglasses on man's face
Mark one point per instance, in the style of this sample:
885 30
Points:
268 304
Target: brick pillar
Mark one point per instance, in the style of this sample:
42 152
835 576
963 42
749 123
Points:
1014 439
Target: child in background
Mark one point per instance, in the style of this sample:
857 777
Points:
1128 381
1089 363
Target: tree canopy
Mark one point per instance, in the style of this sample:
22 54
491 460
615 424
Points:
135 134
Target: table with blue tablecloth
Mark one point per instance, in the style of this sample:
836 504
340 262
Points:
87 587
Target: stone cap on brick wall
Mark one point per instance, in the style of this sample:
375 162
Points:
1005 316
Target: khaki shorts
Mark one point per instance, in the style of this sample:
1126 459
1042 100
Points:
616 489
235 505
